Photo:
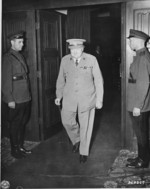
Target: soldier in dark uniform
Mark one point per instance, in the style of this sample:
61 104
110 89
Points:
16 95
138 101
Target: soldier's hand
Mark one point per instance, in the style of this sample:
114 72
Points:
99 105
12 105
136 112
57 101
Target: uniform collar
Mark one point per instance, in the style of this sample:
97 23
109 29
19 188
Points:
13 51
141 50
81 58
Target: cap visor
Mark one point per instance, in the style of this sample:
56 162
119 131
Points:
130 36
75 47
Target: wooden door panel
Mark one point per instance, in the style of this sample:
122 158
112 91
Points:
51 112
49 61
137 17
50 69
142 20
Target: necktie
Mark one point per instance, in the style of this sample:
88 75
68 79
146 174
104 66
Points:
76 62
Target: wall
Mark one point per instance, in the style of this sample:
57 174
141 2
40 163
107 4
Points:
9 5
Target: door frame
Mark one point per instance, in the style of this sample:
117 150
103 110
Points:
123 74
46 132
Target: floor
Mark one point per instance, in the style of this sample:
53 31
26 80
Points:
53 165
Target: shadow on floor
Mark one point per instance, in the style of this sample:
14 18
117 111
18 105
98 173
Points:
53 165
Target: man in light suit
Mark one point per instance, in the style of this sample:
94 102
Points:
80 87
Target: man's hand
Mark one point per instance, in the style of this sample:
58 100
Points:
99 105
12 105
57 101
136 112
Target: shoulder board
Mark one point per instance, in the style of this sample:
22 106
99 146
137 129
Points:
86 55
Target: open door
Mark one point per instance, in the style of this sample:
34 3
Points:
49 54
137 17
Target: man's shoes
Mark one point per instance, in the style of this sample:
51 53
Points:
137 164
83 158
76 147
130 160
17 154
24 151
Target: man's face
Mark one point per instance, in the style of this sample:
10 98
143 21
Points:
148 44
77 52
17 44
136 43
133 43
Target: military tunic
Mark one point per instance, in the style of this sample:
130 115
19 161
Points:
14 90
139 82
79 87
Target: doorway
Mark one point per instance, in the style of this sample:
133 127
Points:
106 33
106 46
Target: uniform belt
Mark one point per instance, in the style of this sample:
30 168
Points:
131 80
21 77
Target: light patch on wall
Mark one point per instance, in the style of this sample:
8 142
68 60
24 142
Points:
62 11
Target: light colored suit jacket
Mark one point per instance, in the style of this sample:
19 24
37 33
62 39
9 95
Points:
79 86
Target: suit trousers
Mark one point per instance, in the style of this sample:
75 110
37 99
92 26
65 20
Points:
18 118
141 128
81 130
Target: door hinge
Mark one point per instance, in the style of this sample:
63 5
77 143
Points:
39 75
37 25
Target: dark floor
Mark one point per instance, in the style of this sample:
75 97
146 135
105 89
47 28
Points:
53 165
